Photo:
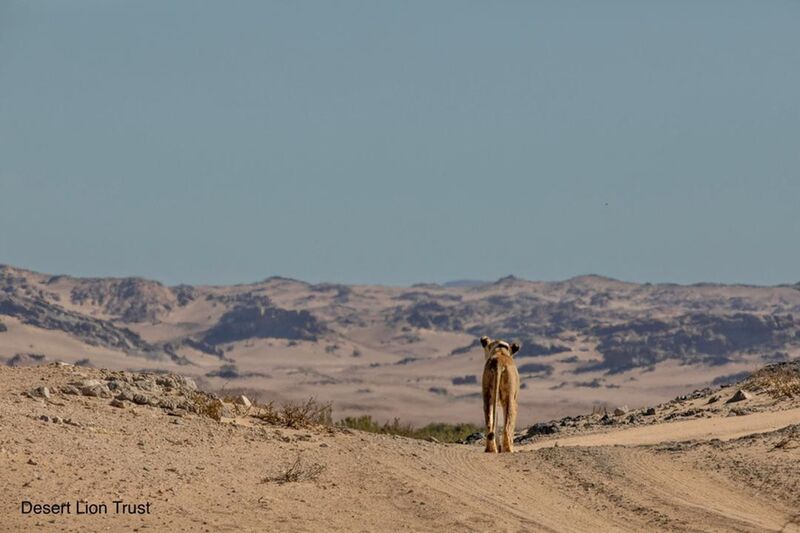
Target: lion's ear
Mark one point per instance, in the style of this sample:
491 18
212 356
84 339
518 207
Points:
514 348
485 341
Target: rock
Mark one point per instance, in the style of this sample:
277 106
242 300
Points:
542 428
473 438
146 385
432 439
93 387
712 399
167 403
651 411
41 392
69 389
117 403
188 383
153 401
117 385
242 400
44 418
97 391
226 411
739 396
167 382
57 420
125 395
619 411
606 420
140 399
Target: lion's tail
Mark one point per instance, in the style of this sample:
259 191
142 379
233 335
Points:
493 406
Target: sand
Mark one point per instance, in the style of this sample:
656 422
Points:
198 474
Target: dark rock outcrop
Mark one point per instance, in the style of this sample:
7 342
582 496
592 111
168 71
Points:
128 299
26 359
249 321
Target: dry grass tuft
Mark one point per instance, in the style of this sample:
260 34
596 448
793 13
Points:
296 471
207 405
781 380
295 414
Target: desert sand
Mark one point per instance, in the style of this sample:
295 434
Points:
713 472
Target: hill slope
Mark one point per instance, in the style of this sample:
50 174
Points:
410 352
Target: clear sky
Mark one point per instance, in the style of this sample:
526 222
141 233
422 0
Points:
399 142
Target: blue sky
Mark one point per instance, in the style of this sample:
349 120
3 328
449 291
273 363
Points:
399 142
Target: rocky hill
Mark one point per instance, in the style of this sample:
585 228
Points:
410 352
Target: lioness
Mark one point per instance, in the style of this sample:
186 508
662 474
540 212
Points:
500 382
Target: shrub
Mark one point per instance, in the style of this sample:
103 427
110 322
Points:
207 405
295 414
296 471
440 431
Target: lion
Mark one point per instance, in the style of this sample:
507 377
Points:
500 382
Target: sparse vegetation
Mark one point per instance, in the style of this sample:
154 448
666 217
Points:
296 471
295 414
207 405
780 380
440 431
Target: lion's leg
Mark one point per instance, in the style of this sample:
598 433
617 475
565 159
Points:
510 411
489 414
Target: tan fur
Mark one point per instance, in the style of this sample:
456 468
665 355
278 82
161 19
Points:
500 383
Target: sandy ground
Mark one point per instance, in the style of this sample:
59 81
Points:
686 430
711 474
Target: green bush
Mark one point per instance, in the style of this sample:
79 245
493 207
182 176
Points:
440 431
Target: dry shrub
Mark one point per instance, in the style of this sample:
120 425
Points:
207 405
781 380
440 431
295 414
296 471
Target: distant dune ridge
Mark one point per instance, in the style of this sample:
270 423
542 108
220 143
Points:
586 341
